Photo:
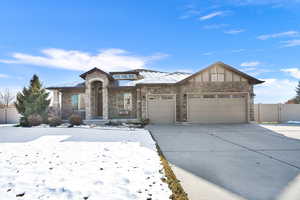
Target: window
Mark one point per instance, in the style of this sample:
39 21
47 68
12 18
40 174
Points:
167 97
127 101
75 101
223 96
217 77
208 96
125 76
238 96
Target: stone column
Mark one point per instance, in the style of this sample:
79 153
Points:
88 114
138 103
144 111
105 102
56 103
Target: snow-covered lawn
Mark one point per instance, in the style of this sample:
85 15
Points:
78 163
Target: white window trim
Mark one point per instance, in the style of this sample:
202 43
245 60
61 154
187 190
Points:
217 77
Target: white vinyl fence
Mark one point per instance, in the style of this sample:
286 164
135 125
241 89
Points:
277 112
12 116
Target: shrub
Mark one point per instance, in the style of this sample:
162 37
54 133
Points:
24 122
33 99
54 121
75 119
34 120
145 122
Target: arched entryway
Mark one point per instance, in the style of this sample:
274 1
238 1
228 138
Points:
96 99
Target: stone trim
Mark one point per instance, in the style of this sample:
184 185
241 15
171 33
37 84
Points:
88 83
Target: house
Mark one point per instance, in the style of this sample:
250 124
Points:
216 94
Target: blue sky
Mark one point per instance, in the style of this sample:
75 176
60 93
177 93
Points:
58 40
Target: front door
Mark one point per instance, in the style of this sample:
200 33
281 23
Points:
99 100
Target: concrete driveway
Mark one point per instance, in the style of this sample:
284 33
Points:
229 162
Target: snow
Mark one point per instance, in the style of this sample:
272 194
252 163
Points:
70 84
159 77
293 122
7 125
149 77
79 163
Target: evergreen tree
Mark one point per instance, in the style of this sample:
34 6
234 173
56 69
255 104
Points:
33 100
297 98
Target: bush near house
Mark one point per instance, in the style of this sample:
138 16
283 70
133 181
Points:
34 120
54 121
32 101
75 120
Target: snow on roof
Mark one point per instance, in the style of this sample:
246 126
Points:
149 77
155 77
71 84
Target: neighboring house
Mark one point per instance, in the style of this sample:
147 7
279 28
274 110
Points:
216 94
9 115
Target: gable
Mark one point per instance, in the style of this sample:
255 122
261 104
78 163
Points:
220 72
96 71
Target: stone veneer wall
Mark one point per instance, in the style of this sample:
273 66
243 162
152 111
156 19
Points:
191 87
142 93
66 107
116 99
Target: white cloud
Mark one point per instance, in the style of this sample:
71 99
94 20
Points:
257 72
250 64
277 35
294 72
234 31
253 71
208 53
185 71
275 91
189 13
212 15
215 26
291 43
238 50
107 59
3 76
249 69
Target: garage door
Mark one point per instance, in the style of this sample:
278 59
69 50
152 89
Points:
161 109
217 109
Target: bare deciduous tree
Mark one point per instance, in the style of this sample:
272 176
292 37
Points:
6 98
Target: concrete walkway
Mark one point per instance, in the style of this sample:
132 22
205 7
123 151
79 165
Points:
229 162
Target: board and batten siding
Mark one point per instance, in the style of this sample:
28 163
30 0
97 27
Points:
202 83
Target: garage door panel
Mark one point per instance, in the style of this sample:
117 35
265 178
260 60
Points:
217 110
161 109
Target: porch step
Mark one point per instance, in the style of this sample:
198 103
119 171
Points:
95 121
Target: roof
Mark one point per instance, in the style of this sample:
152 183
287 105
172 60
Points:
156 77
93 70
251 79
72 85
